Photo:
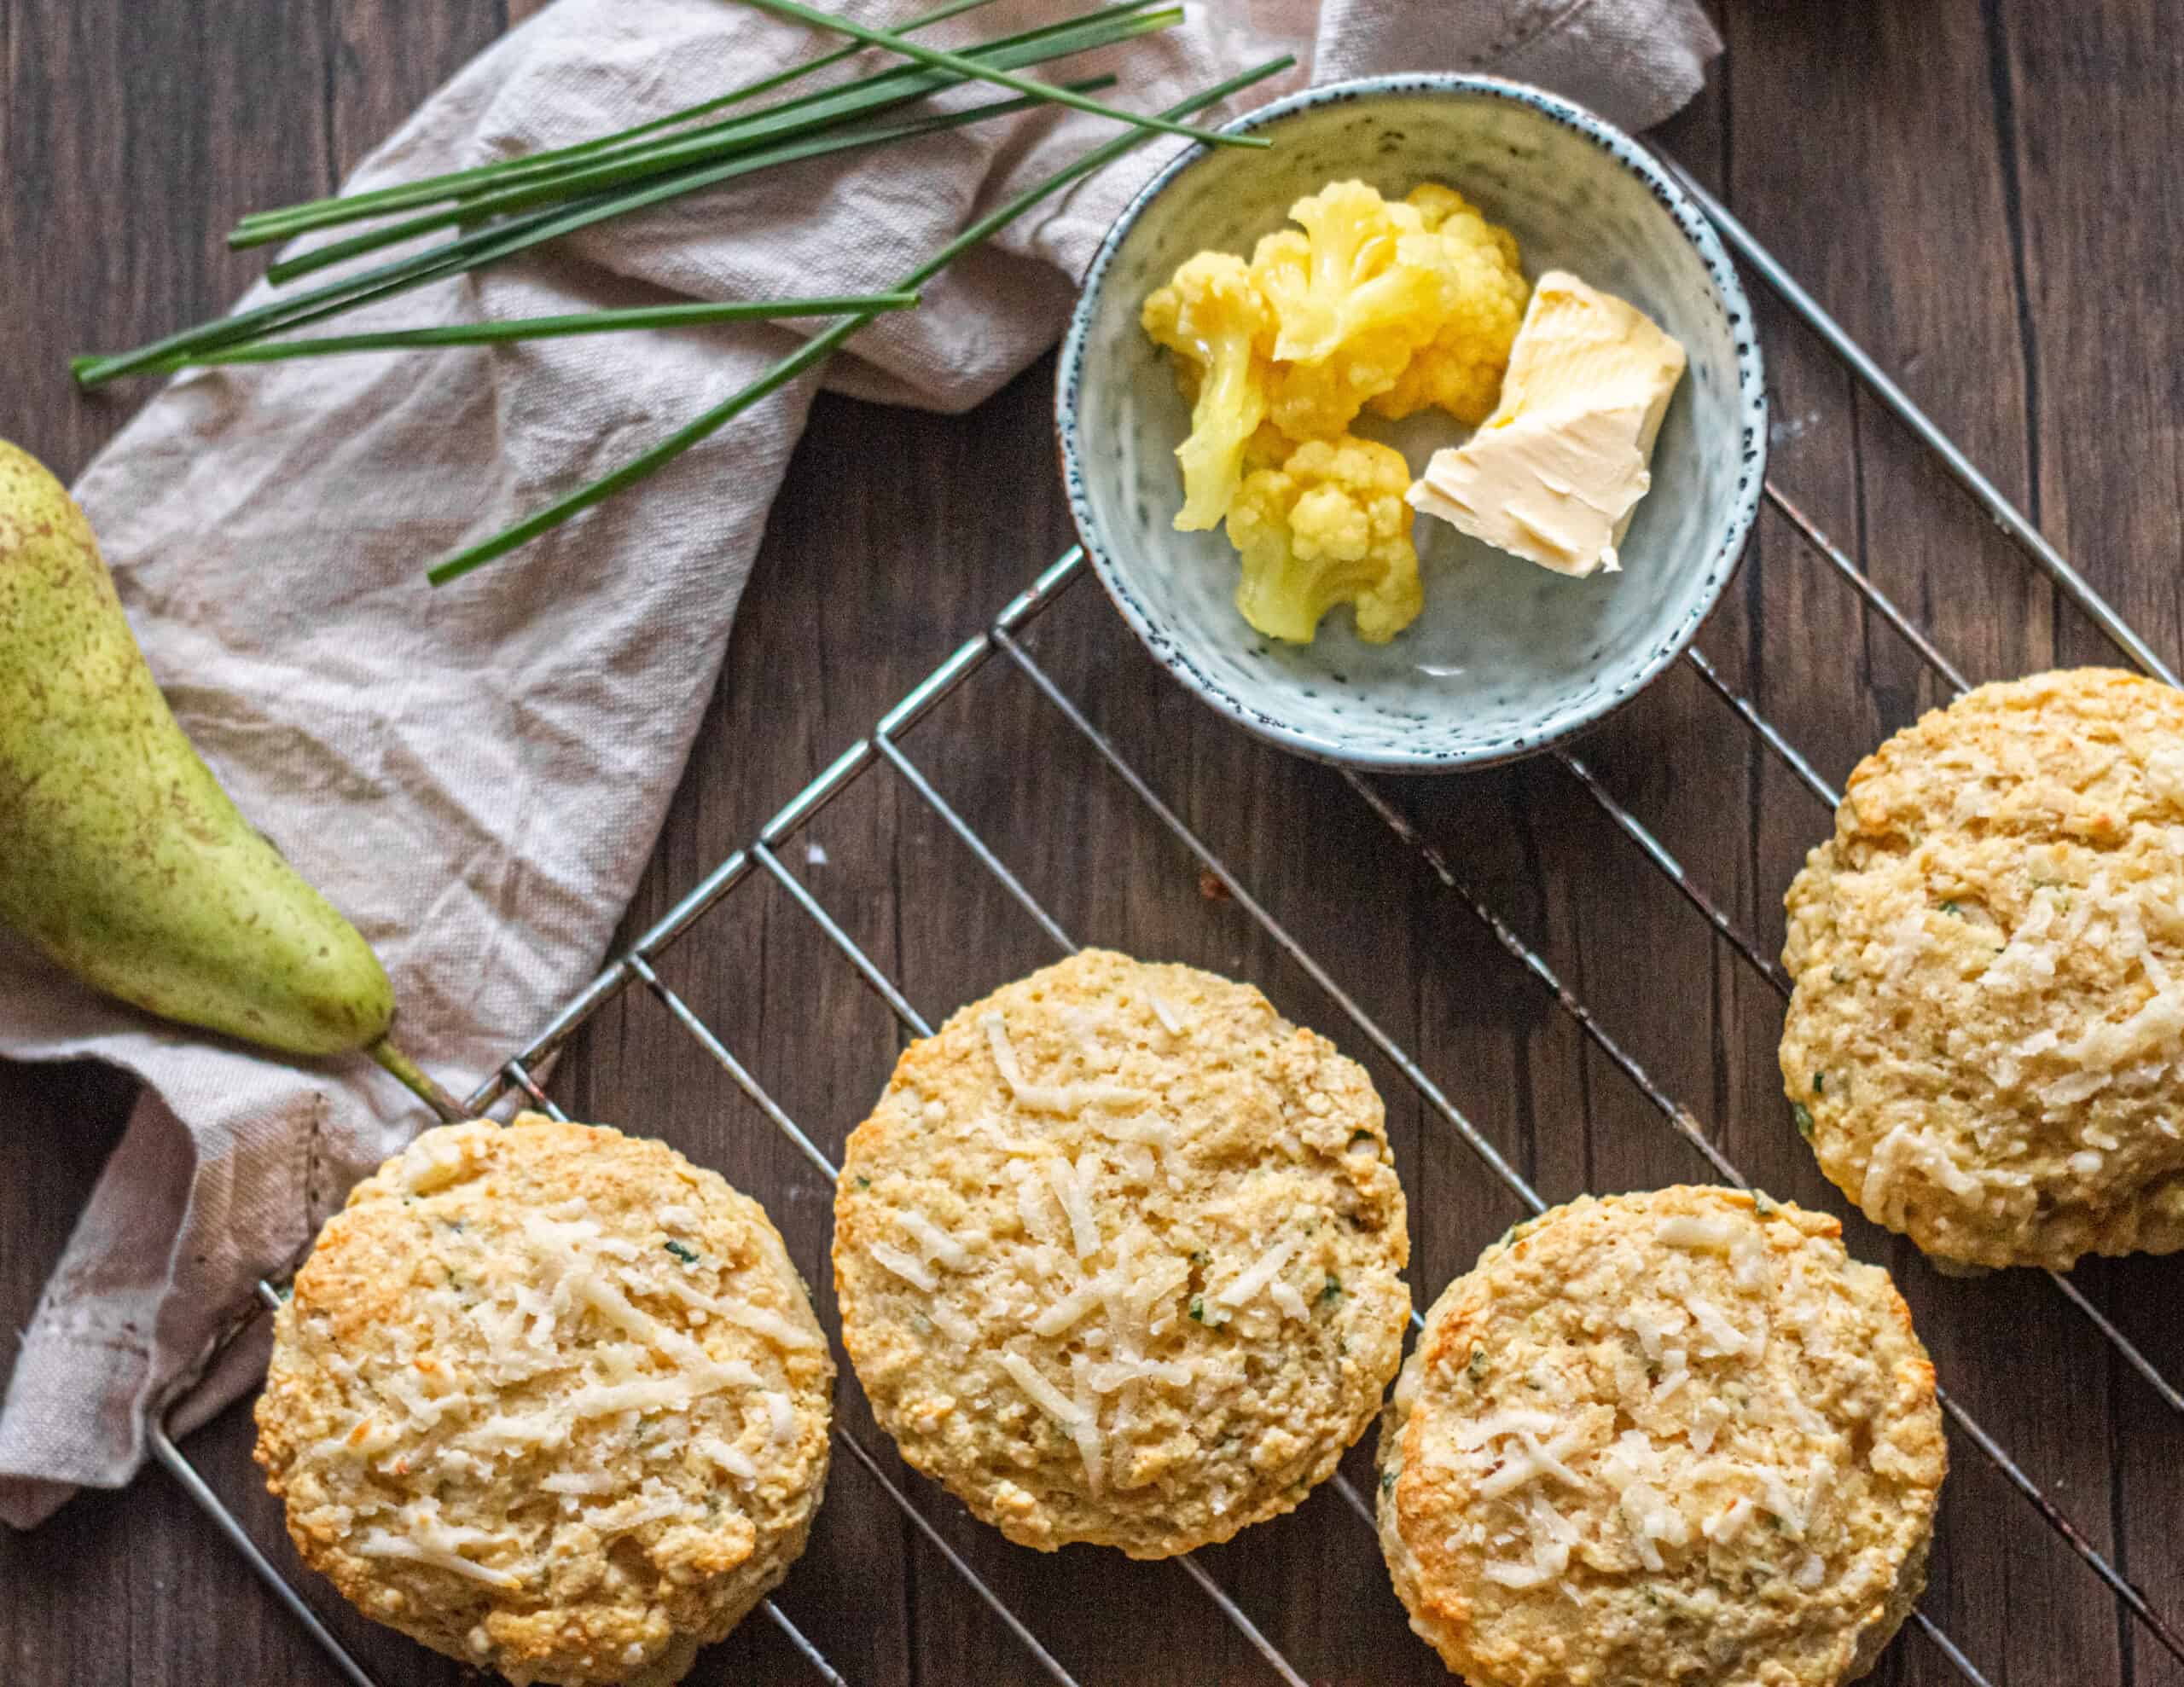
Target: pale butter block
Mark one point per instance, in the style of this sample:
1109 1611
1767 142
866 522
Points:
1554 474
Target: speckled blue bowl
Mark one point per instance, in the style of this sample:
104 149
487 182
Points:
1507 658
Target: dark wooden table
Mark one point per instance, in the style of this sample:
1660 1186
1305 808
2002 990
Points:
1989 196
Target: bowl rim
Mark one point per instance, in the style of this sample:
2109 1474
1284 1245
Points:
1729 549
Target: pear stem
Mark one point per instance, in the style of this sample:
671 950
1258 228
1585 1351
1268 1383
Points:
414 1078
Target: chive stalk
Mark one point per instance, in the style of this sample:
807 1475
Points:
799 117
484 246
940 59
447 183
815 349
1109 24
542 327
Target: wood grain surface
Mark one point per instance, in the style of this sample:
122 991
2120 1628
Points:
1987 195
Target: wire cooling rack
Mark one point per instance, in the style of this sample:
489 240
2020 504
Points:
760 859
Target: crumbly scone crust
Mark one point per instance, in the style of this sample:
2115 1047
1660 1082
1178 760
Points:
1667 1437
1118 1255
1988 954
550 1400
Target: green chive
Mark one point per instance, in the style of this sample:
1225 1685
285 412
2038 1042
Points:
896 42
428 190
537 328
1802 1114
688 1255
544 177
489 246
817 112
648 462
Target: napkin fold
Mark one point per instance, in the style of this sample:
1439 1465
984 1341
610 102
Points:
476 776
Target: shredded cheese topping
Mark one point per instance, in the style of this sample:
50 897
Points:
1684 1230
733 1459
934 1242
1066 1100
1674 1471
907 1266
1072 1187
1715 1326
559 1299
423 1539
1258 1274
1048 1398
1035 1235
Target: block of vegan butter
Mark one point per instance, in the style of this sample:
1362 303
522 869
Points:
1553 475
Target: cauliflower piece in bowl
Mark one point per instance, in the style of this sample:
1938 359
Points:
1346 272
1329 526
1362 288
1396 304
1502 660
1461 368
1212 317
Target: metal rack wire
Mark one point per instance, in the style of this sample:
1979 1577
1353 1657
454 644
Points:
885 747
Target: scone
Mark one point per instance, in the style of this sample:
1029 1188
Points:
1117 1257
550 1400
1675 1437
1984 1039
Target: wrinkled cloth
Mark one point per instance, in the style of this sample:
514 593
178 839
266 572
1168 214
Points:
476 775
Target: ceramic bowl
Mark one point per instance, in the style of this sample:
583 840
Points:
1507 658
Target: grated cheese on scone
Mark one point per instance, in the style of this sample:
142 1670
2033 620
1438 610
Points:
1118 1255
549 1399
1986 1043
1675 1437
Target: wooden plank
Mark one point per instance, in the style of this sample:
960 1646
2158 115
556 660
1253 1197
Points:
1916 153
1983 195
132 140
2087 107
64 1590
372 68
386 57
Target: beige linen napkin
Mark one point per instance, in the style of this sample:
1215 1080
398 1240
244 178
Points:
476 775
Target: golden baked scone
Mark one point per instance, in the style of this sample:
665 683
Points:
1667 1437
1989 955
1117 1256
550 1400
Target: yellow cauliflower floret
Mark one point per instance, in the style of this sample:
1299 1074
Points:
1435 204
1397 306
1344 275
1329 526
1362 289
1270 448
1211 316
1282 268
1317 400
1461 369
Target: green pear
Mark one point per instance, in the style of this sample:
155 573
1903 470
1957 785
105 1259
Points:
120 856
